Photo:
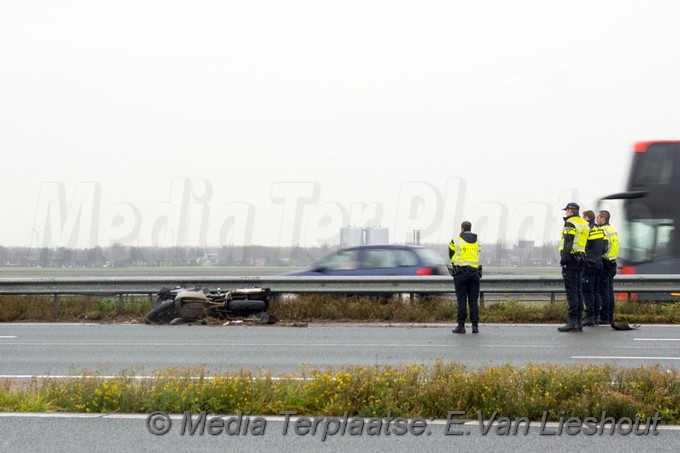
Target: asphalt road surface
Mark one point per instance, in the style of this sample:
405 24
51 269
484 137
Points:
118 432
68 349
60 349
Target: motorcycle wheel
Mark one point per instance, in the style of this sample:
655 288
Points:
164 310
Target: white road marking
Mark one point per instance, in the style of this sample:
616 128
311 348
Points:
263 345
614 357
307 345
656 339
268 418
319 345
8 336
141 378
54 324
523 346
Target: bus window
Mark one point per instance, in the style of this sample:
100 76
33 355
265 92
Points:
654 167
666 246
649 239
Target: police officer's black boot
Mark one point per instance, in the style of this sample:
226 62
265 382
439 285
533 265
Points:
570 326
589 321
475 328
460 328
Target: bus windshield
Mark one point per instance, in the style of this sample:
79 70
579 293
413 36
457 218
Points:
653 167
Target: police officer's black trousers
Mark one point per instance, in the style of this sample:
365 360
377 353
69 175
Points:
466 282
572 285
590 285
607 292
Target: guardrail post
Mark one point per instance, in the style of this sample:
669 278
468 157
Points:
121 301
481 299
552 297
55 302
412 298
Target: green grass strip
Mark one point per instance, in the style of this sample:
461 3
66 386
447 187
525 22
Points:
415 390
319 307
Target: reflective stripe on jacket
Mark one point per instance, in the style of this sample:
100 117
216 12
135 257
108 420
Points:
596 246
578 228
612 238
464 253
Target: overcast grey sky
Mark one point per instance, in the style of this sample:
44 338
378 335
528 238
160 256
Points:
277 122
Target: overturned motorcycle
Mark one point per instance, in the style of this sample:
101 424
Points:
181 304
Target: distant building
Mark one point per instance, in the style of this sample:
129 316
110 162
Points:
209 259
353 236
377 235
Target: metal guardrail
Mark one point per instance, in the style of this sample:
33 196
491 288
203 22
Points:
499 284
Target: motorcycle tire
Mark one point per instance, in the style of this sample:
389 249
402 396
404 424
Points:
247 306
159 300
162 311
164 294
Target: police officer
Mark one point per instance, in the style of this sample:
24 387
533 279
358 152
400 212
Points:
572 259
608 268
590 281
464 254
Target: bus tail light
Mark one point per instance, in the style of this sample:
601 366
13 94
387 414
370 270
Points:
627 270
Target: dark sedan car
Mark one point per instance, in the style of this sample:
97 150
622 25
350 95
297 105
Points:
379 260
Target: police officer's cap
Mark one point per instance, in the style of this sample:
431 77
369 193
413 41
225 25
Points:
573 206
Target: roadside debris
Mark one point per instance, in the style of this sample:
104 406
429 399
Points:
623 325
181 305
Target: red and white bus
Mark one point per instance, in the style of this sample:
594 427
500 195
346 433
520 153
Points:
647 215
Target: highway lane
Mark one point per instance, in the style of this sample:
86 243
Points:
64 349
56 349
127 432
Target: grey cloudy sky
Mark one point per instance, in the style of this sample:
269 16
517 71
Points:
277 122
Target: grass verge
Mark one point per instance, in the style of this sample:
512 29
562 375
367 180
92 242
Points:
415 390
319 308
311 307
73 308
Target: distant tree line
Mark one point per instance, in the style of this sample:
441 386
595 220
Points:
119 255
523 254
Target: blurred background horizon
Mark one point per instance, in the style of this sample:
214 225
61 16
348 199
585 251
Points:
277 123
